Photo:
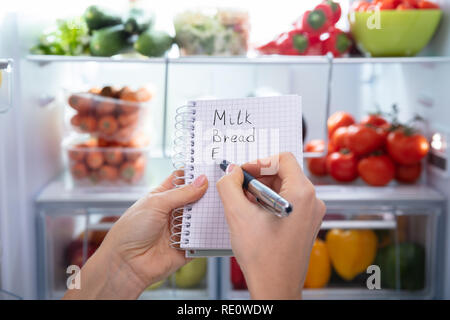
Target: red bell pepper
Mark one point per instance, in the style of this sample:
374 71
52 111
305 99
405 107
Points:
270 47
237 277
338 43
335 9
297 42
317 21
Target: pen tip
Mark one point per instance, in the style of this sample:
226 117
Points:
289 209
224 164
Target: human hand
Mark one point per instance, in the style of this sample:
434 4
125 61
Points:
273 252
136 252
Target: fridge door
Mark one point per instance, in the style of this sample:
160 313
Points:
30 142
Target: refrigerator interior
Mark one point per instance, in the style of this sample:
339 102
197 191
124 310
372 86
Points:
401 231
35 126
71 234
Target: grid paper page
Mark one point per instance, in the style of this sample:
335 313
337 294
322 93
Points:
256 128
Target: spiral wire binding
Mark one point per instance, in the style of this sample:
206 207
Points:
182 159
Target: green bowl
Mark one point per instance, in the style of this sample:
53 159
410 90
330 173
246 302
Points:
393 33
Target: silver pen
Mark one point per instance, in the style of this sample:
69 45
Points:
265 196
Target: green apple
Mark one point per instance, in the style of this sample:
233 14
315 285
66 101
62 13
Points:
156 285
191 274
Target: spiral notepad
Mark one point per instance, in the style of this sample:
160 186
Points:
238 130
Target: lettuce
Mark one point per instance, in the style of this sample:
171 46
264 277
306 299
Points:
69 37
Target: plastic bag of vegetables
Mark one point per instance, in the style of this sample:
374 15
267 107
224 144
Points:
216 32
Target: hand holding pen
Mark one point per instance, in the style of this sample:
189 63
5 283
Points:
272 252
264 195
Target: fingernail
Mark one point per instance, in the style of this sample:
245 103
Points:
230 168
199 181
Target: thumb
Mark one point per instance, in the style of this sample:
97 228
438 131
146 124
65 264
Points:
231 192
175 198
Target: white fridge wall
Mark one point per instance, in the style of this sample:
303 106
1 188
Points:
30 138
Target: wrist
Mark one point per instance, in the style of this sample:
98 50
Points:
106 276
264 284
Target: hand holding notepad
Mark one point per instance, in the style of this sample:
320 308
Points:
239 130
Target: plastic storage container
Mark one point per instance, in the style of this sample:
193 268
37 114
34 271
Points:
114 115
91 165
69 236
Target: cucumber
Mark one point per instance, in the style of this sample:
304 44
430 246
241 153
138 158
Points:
138 21
108 41
97 18
153 43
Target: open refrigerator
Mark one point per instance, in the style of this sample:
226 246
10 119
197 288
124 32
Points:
43 213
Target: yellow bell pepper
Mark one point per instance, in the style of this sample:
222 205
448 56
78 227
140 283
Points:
351 251
319 269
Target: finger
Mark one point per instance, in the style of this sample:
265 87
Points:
170 182
284 165
179 197
250 197
231 192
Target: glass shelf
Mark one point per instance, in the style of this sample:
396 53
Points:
264 60
46 59
55 193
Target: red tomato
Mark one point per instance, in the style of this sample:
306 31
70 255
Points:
360 5
335 9
331 148
314 146
342 166
410 3
408 174
372 8
383 133
387 5
406 147
339 139
339 119
423 4
376 170
363 139
404 6
317 166
338 43
374 120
